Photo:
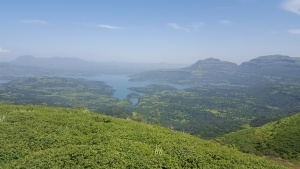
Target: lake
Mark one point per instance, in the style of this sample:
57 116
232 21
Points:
121 83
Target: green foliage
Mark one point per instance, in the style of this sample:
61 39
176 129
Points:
138 117
223 97
62 92
212 112
207 112
208 71
278 139
43 137
256 72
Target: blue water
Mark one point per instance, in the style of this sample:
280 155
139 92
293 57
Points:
121 83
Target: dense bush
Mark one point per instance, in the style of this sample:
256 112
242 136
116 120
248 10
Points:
278 139
42 137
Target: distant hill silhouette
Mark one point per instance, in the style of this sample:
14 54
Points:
272 65
212 64
264 69
77 65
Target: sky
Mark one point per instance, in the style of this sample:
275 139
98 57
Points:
152 31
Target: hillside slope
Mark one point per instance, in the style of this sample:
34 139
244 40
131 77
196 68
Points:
42 137
205 71
272 65
280 138
263 70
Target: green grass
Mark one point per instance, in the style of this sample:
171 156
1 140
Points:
277 139
43 137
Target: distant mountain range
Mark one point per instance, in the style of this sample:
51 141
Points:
273 65
212 64
76 65
25 66
211 71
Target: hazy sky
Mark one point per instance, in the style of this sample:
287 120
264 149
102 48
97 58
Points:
174 31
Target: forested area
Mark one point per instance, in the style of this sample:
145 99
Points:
222 97
206 112
61 92
211 112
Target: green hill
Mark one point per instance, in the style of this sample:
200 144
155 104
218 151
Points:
281 66
202 72
263 70
43 137
280 139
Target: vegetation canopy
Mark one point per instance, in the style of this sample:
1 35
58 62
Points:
278 139
43 137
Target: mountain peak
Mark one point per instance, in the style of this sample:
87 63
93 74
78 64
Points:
272 65
213 64
273 57
272 60
211 59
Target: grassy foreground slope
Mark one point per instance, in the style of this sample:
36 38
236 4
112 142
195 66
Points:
43 137
280 139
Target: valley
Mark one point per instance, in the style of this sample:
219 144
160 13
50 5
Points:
217 98
208 99
149 84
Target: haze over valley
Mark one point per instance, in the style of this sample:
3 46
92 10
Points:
150 84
